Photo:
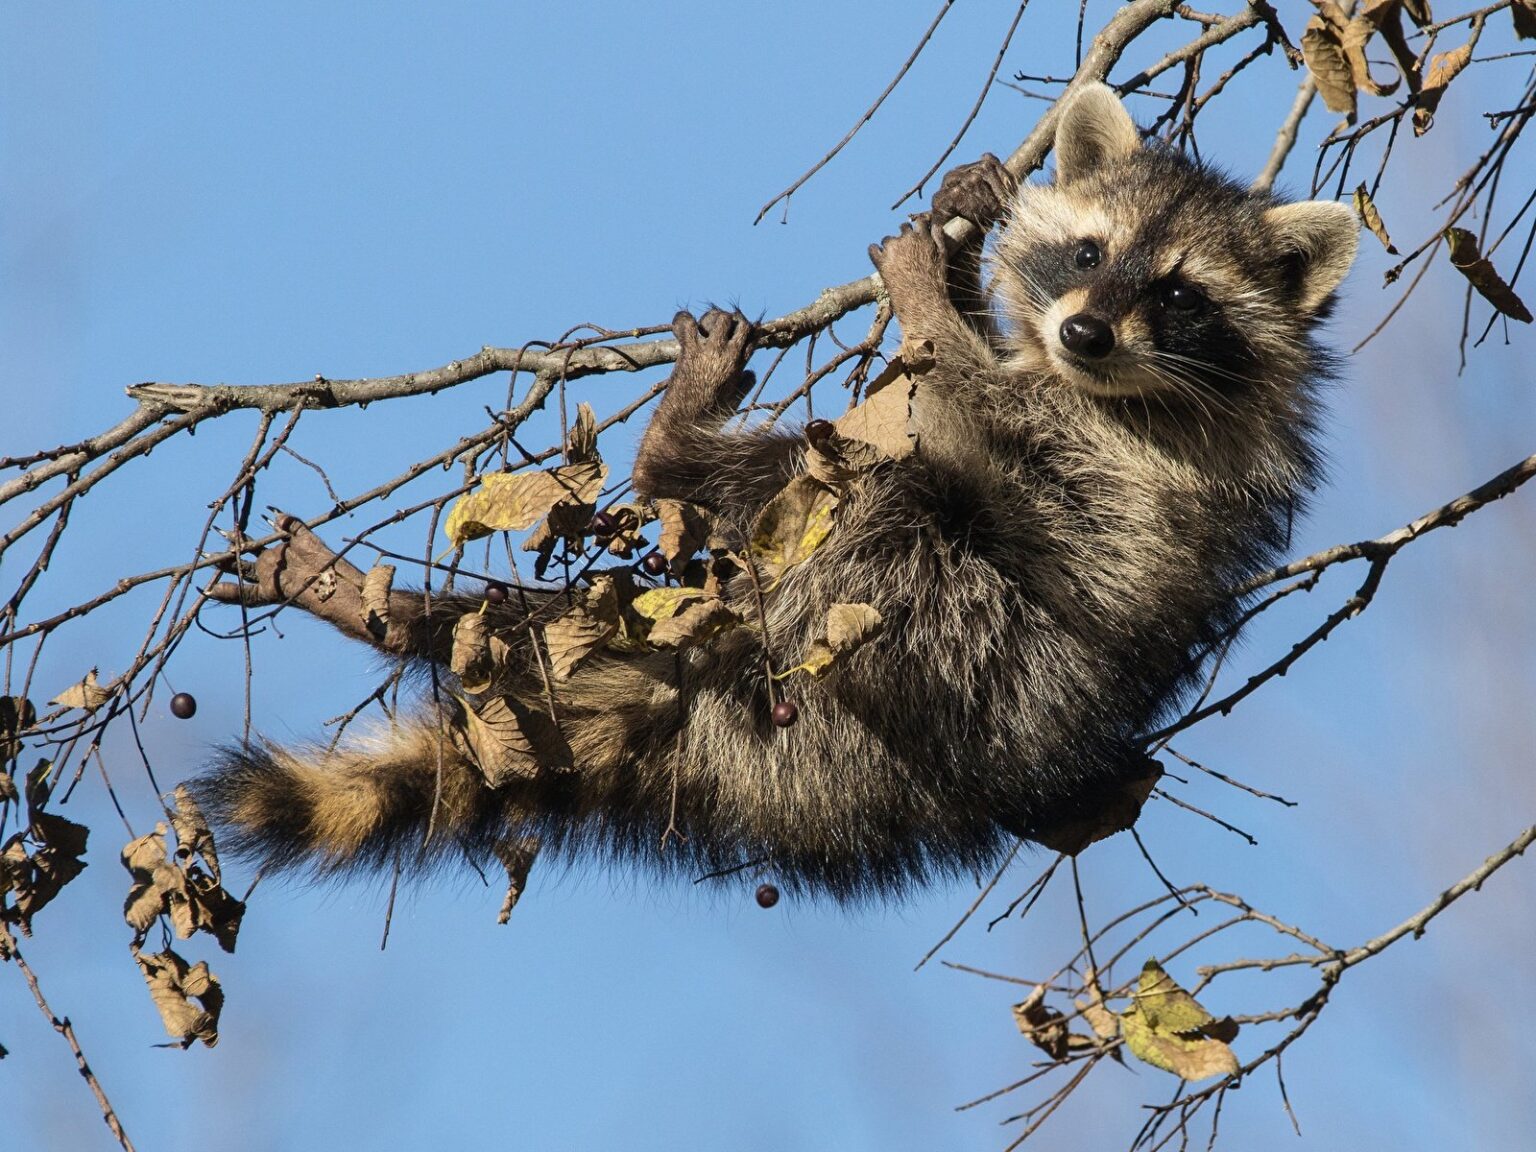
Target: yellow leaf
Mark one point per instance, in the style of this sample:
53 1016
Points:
793 525
663 603
1168 1028
513 501
1365 208
697 622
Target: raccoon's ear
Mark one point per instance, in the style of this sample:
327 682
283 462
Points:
1094 130
1318 239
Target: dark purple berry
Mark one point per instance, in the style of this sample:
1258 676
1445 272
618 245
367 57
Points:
785 713
655 563
604 525
818 430
767 895
496 592
183 705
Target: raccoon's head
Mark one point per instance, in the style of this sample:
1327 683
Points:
1141 272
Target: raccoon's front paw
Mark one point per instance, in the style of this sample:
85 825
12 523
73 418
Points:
912 263
709 375
978 192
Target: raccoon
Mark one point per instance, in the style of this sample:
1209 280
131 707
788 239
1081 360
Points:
1108 442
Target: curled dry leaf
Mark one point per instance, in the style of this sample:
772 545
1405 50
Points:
884 419
581 444
589 624
1168 1028
1322 47
1046 1028
376 589
511 502
792 525
17 714
33 879
1365 208
1105 1024
1118 812
174 887
87 694
517 856
1478 269
1371 18
8 793
477 652
849 628
492 736
695 624
1443 68
193 836
173 985
684 529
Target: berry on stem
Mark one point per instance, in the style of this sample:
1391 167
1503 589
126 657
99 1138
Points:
183 705
496 592
785 713
655 563
767 895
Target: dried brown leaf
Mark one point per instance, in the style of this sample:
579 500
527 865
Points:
8 793
589 624
1046 1028
1366 209
16 716
36 878
849 628
684 529
581 444
1168 1028
1478 269
492 736
695 624
470 657
511 502
193 836
87 694
517 856
376 589
1322 47
792 525
173 985
1366 23
1443 68
1117 813
884 419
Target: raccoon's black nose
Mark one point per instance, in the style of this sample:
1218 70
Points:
1087 335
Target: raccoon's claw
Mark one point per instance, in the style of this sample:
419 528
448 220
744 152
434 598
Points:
978 192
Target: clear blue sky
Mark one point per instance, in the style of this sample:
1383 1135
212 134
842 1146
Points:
262 193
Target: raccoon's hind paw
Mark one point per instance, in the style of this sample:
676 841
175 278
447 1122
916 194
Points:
978 192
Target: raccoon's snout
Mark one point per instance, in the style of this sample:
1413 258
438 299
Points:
1087 335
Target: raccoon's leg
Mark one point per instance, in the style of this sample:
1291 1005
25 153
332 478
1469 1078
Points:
978 192
301 570
684 454
914 266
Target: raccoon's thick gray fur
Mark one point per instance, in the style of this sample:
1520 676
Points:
1104 452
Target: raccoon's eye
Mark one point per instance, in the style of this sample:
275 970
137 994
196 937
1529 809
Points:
1182 298
1087 254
